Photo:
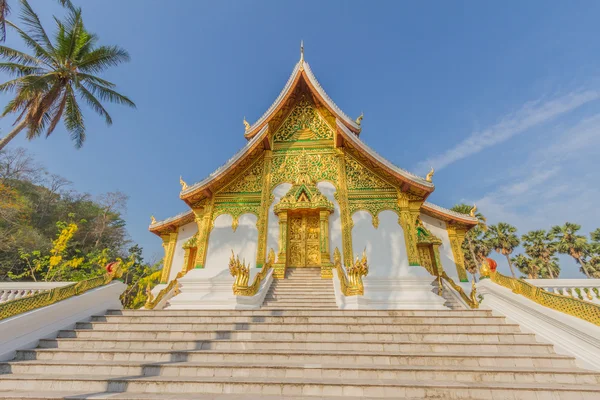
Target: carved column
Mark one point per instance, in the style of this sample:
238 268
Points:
326 272
438 259
203 217
169 243
408 217
263 218
279 268
456 234
342 198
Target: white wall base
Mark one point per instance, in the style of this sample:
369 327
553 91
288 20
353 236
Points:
406 293
23 331
570 335
199 290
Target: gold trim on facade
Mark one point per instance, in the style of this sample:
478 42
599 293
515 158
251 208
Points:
169 243
456 234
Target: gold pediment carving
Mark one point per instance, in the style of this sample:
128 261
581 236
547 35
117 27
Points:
304 123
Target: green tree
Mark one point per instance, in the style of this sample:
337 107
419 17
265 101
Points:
540 245
503 239
48 83
568 241
593 254
524 264
474 237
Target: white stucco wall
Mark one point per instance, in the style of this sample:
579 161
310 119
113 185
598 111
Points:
223 239
273 231
386 250
335 221
438 228
184 233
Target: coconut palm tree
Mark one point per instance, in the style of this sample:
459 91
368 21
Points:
5 10
476 232
569 242
503 239
49 83
540 245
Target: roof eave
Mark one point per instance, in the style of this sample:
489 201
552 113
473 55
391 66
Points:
450 215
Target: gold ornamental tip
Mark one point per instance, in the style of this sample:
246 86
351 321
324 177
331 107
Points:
360 118
429 176
182 183
246 124
152 220
484 269
473 211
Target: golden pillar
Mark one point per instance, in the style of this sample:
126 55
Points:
203 218
409 212
263 218
326 265
279 267
342 198
169 243
456 234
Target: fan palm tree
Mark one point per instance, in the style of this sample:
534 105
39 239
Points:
523 264
540 245
550 269
5 10
569 242
49 82
503 239
474 234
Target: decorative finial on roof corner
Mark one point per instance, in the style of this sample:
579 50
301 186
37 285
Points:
152 220
301 51
360 118
182 183
246 124
473 211
430 175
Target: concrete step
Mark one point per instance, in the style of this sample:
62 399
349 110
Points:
305 298
295 303
312 313
244 356
287 370
298 344
290 386
303 319
299 327
305 334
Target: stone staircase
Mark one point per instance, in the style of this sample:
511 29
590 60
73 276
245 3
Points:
302 288
295 353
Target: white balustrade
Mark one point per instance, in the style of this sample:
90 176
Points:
17 290
582 289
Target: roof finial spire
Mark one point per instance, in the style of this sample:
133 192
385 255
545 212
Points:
430 175
246 124
301 51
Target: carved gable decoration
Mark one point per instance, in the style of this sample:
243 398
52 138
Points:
320 166
303 124
360 177
249 181
424 235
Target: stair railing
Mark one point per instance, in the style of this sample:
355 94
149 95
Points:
241 272
566 304
470 300
171 290
351 283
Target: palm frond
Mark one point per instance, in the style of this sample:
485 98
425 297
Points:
19 69
107 94
95 79
74 119
94 103
4 11
57 113
31 20
41 53
102 58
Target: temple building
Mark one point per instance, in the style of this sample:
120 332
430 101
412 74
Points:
305 185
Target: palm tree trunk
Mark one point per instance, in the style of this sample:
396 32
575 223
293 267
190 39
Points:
512 271
550 271
584 267
6 139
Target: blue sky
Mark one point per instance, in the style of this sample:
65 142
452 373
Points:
501 98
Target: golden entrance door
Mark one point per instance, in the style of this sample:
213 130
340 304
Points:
304 240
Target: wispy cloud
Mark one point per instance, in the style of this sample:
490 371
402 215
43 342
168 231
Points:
528 116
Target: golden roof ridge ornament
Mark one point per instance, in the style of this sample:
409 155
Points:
473 211
152 220
246 124
182 183
429 176
360 118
